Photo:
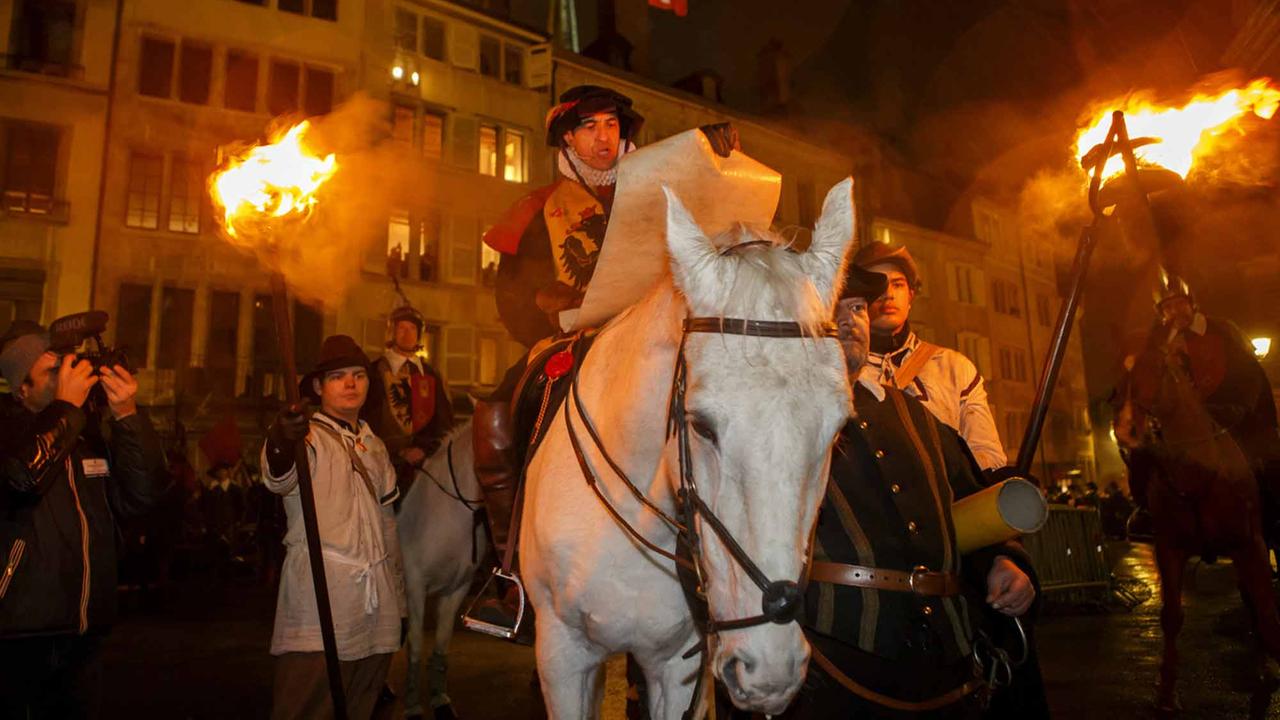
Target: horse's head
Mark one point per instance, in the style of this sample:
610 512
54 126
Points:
762 413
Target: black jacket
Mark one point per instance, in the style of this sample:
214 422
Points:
60 492
895 471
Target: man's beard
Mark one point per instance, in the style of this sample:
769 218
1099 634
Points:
855 356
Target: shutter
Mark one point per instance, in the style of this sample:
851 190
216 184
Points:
983 361
464 251
464 46
459 354
979 286
953 284
537 64
466 153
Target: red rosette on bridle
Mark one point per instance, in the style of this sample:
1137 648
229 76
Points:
558 365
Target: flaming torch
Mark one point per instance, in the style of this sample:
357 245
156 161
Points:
1170 139
266 193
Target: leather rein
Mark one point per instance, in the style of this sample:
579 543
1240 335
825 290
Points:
781 598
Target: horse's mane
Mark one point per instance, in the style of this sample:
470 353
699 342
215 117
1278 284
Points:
759 275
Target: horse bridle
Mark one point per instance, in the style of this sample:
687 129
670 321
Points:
781 599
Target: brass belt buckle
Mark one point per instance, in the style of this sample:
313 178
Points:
916 572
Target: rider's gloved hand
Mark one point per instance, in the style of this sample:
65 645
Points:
723 138
556 297
290 427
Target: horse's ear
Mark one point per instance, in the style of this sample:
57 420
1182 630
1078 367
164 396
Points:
832 239
690 249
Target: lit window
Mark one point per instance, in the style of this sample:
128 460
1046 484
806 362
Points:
398 234
185 190
146 173
489 150
513 156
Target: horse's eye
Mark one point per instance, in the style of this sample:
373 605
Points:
703 428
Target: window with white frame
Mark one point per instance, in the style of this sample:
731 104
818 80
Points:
967 284
1006 297
977 348
1044 311
1013 364
172 200
987 226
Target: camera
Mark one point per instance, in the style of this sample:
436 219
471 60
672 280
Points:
81 334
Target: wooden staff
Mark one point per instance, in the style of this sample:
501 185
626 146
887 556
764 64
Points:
306 492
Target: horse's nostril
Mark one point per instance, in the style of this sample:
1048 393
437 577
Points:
729 676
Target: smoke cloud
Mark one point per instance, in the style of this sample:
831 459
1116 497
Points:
321 257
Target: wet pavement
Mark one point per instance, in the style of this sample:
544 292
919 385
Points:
200 651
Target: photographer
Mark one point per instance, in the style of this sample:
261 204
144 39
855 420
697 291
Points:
63 480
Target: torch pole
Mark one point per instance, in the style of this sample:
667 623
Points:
306 492
1057 352
1067 314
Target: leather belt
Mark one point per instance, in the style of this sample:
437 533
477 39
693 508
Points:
920 581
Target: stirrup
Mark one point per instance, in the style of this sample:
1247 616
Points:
483 626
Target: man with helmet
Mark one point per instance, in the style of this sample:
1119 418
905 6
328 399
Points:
1227 377
408 406
944 380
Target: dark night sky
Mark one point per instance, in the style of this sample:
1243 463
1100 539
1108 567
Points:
960 87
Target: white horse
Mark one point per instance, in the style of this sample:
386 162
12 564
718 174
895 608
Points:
763 411
442 547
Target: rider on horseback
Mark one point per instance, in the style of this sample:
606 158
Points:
1228 378
550 241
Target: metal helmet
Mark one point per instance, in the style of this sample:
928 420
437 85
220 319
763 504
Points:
408 313
1170 287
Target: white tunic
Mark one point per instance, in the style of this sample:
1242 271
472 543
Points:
951 388
362 561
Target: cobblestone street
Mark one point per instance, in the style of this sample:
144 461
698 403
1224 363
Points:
202 653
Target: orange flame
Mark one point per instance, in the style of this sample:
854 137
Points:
266 186
1183 134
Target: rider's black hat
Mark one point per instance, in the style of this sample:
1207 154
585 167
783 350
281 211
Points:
583 101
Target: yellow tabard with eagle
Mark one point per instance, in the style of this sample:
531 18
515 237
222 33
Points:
575 224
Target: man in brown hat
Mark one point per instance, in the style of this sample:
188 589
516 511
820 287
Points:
355 487
944 380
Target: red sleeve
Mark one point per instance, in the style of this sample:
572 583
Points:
505 234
